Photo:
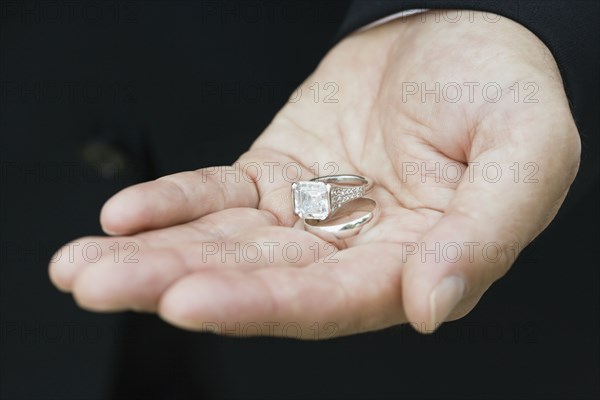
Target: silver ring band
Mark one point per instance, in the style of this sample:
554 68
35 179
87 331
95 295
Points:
349 221
347 180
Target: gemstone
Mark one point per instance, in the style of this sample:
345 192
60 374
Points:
311 200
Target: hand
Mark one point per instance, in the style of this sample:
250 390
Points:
464 181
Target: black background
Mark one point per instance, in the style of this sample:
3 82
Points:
96 96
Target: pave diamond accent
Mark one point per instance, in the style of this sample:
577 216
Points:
341 195
311 200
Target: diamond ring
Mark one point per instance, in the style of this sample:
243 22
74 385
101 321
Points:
321 197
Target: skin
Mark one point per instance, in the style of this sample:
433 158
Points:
383 276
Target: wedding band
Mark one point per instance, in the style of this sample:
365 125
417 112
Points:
321 197
351 218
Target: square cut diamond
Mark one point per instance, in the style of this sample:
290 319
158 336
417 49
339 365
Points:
311 200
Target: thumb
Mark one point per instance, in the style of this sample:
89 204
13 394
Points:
506 197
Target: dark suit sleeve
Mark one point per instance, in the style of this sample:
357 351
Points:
568 28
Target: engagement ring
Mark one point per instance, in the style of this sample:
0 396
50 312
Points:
321 197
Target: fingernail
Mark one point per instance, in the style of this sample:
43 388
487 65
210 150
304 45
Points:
444 298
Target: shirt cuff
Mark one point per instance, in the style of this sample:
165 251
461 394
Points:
392 17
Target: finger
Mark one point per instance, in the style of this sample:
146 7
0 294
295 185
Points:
269 246
101 252
175 199
212 227
354 290
71 258
110 286
492 216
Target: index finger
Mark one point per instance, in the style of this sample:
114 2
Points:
177 198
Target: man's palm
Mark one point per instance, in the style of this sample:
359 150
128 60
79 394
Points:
413 105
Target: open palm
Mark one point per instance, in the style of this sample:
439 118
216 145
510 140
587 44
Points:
464 128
